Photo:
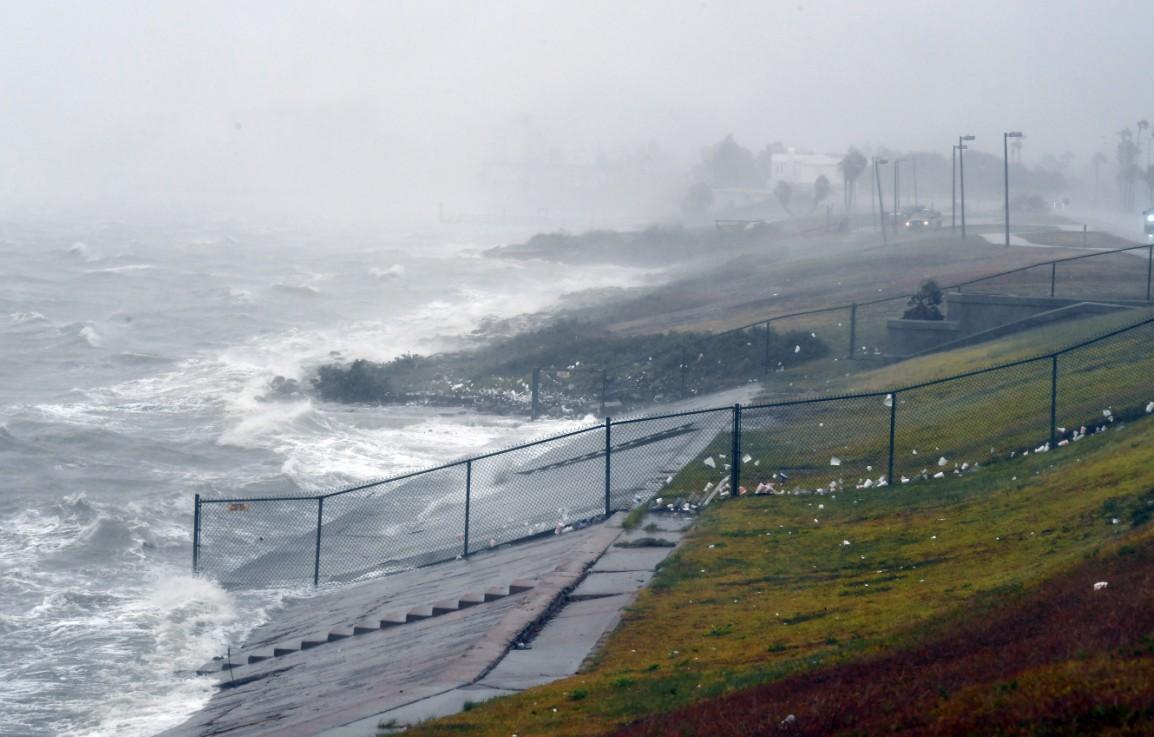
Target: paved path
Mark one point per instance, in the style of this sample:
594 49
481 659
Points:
348 654
421 520
569 637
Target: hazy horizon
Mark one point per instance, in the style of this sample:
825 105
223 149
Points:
383 112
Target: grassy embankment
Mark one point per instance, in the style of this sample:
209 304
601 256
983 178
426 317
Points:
645 336
954 606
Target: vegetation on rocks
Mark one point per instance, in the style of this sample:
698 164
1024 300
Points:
572 355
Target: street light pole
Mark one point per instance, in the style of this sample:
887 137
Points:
914 164
1006 176
897 195
881 201
953 188
962 177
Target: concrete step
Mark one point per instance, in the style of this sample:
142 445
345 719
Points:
365 627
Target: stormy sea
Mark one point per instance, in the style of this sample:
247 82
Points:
134 364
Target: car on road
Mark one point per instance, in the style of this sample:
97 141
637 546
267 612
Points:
922 218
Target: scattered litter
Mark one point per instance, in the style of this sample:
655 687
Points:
942 461
1101 585
746 458
845 542
710 462
835 461
889 400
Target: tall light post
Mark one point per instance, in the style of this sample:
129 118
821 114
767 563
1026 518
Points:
953 188
897 195
914 165
962 177
881 201
1006 175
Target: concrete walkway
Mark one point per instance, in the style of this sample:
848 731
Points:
421 643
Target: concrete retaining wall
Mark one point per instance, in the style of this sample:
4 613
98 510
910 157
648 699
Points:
974 318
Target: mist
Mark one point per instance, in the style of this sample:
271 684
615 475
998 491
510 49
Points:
405 112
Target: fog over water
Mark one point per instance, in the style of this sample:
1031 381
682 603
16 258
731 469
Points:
378 112
196 198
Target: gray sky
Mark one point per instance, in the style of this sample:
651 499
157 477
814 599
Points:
379 110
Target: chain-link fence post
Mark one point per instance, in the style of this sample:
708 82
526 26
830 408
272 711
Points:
735 466
1054 401
852 330
468 499
320 522
1053 276
604 389
196 535
535 398
684 369
608 462
1149 266
766 361
893 427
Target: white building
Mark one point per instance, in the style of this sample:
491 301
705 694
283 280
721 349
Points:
801 169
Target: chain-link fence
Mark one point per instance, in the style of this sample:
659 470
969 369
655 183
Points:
856 331
949 426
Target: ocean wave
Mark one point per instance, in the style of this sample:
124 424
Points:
23 318
91 336
392 272
298 290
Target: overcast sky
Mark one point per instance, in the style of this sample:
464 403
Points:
378 110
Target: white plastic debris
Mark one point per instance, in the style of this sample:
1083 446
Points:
845 542
797 349
942 461
940 475
834 461
889 400
746 458
1150 408
710 462
1101 585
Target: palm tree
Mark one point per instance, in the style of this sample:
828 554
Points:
1097 161
784 193
1127 154
820 190
851 165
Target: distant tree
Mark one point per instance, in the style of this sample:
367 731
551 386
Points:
851 165
1016 149
728 164
821 189
698 201
1096 162
925 304
1148 180
1127 154
784 193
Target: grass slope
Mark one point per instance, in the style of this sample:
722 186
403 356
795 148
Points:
767 593
768 589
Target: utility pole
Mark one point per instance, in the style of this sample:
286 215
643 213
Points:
1006 176
897 194
962 177
881 201
953 188
914 164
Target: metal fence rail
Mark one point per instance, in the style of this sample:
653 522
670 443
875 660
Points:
934 428
848 331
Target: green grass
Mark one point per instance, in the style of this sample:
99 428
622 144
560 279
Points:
762 591
766 588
